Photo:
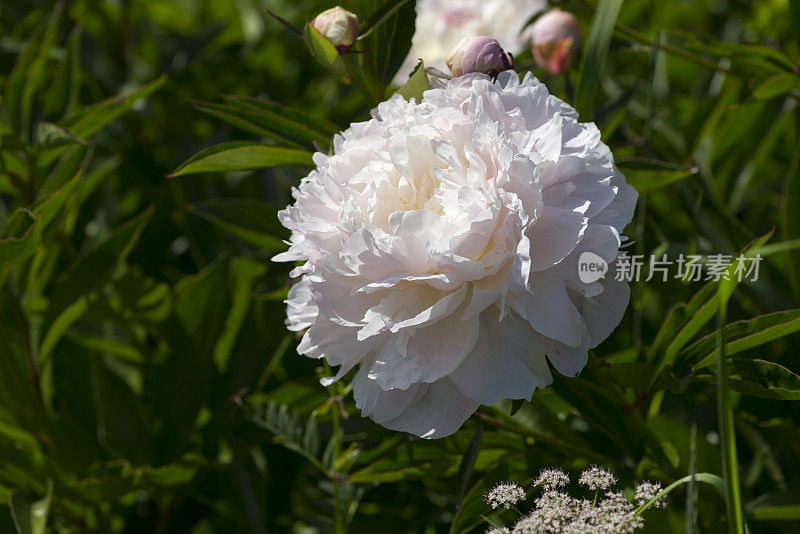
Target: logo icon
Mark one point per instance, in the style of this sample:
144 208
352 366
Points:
591 267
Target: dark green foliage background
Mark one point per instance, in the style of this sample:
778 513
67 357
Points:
148 384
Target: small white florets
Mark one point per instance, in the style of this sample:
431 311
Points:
557 512
646 491
596 478
552 478
505 495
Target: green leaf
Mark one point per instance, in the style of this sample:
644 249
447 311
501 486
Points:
286 24
417 84
761 378
467 462
382 13
244 272
516 404
245 121
324 52
63 93
252 221
288 431
49 135
40 510
794 13
745 59
50 205
31 518
594 57
777 506
202 302
645 181
776 85
740 336
16 249
86 121
30 70
727 430
117 349
21 513
68 299
242 156
472 512
389 39
292 121
697 313
89 120
202 305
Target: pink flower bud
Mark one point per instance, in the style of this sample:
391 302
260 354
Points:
555 41
478 54
339 26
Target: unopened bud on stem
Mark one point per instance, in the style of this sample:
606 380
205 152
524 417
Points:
339 26
478 54
555 41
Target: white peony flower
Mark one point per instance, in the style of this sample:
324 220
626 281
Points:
441 24
441 243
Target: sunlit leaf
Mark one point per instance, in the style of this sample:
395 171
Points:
594 57
49 135
323 51
762 378
241 156
417 84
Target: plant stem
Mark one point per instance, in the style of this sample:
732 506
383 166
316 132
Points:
730 465
337 490
338 520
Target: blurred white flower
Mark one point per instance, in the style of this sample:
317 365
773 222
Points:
441 243
441 24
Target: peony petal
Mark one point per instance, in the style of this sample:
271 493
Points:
551 312
554 236
301 312
433 410
517 365
427 355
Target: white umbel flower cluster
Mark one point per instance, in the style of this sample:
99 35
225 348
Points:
505 494
647 491
551 479
441 24
440 245
596 478
557 512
